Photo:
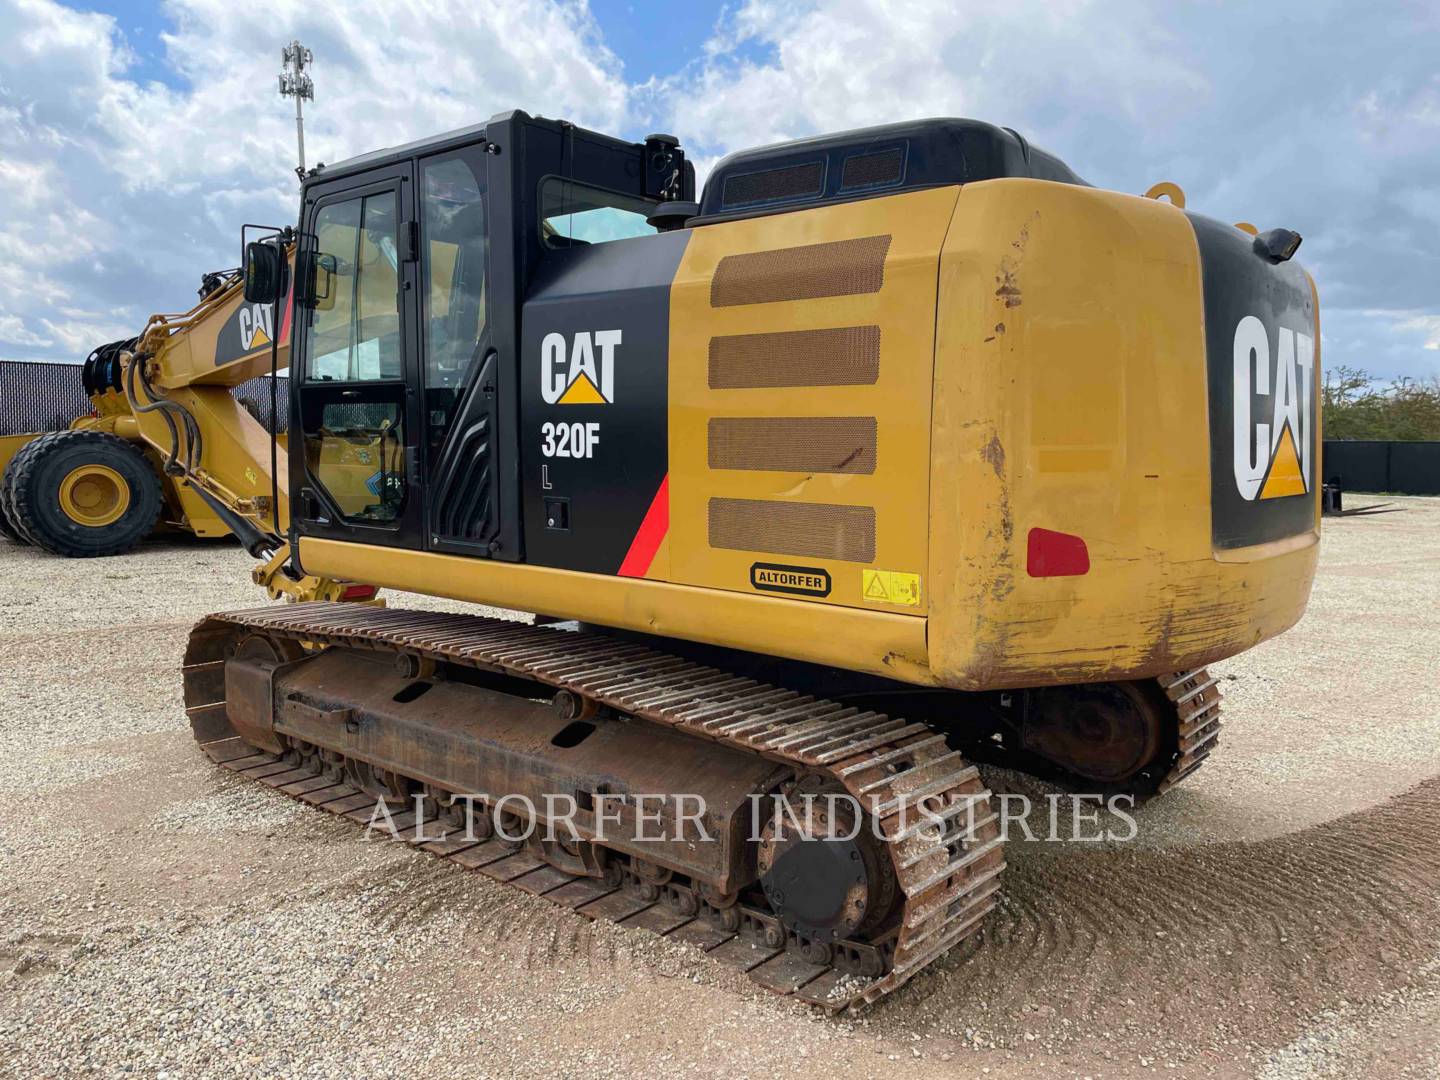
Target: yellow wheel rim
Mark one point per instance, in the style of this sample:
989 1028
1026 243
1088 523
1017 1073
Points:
94 495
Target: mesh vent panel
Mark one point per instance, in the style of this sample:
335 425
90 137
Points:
793 182
865 170
814 530
838 268
844 356
809 444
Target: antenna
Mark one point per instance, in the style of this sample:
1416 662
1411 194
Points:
295 83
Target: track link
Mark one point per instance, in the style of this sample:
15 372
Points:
949 878
1195 696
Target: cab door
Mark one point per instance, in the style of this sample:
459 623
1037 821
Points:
463 375
355 463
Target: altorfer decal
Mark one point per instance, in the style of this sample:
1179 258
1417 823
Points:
779 577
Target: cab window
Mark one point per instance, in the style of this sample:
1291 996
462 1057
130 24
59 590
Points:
352 399
357 453
452 269
354 313
576 215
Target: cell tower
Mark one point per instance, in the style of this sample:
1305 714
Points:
294 82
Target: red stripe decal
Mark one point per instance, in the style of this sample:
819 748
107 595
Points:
647 538
289 307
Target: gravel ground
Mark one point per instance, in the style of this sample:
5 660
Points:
1277 916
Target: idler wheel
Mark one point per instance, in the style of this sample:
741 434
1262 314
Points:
1104 733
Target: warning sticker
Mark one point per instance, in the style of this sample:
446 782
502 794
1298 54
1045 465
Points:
890 587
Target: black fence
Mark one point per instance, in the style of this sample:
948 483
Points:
46 397
39 397
1403 468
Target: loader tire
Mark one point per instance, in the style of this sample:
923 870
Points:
7 530
8 525
82 494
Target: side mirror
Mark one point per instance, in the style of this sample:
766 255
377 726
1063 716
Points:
264 272
315 283
322 295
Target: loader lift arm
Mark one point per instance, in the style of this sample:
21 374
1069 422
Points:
178 380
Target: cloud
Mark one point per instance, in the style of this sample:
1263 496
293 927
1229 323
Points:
1291 113
781 69
1424 325
118 189
14 332
78 335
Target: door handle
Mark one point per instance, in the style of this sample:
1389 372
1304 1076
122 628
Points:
309 505
487 386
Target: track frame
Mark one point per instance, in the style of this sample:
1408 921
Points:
947 862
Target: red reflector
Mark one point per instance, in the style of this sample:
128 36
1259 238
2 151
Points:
359 592
1056 554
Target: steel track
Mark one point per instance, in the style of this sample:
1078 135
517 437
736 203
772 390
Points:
1195 696
948 881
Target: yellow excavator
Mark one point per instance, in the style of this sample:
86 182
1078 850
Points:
895 450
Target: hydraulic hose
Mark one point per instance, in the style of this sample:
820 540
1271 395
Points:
254 540
193 446
173 454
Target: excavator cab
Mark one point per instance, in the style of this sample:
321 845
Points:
412 268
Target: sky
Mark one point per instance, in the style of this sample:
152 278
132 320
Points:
136 138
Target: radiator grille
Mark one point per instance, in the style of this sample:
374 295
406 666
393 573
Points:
796 181
816 530
837 268
843 356
809 444
872 170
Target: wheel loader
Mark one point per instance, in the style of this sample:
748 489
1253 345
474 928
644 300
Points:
895 450
101 486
